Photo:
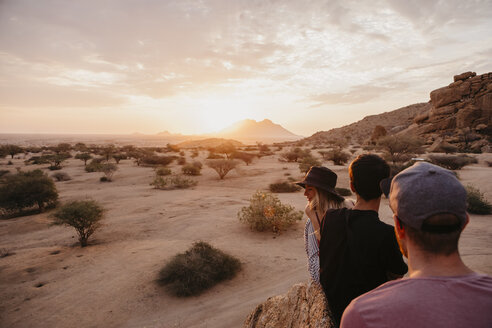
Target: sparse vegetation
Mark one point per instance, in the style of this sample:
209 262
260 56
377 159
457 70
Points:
94 166
192 169
157 160
108 169
307 162
400 148
247 158
198 269
295 154
84 157
172 182
266 212
27 189
279 187
337 155
83 215
61 176
476 201
452 162
222 166
162 171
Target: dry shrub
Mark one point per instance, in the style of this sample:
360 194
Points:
279 187
266 212
191 169
162 171
476 202
198 269
172 182
337 155
157 160
61 176
452 162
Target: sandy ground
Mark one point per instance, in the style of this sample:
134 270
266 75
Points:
51 282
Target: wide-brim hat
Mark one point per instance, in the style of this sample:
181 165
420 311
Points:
323 178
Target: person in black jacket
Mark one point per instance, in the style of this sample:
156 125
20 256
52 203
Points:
358 252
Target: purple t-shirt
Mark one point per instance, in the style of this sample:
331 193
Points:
463 301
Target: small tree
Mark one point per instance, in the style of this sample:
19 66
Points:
118 157
26 189
222 166
400 148
227 148
84 157
83 215
11 150
56 159
243 156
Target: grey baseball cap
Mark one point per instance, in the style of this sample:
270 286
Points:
424 190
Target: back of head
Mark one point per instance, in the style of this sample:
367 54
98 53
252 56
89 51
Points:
431 203
366 172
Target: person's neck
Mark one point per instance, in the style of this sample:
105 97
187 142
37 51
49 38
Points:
367 205
423 264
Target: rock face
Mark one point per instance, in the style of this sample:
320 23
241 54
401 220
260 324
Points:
462 107
362 130
302 307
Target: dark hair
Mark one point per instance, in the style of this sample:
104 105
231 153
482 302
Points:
366 172
434 241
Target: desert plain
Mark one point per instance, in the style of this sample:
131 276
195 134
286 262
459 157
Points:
49 281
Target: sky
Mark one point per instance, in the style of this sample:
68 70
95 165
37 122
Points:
125 66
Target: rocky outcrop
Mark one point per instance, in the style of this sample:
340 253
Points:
463 107
302 307
361 131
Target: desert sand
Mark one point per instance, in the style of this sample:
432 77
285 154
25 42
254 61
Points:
49 281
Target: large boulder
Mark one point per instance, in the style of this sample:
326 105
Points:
444 96
303 306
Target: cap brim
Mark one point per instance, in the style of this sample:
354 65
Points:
301 183
385 185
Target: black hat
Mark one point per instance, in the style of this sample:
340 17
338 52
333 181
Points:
321 177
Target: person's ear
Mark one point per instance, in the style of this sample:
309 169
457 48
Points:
466 222
399 228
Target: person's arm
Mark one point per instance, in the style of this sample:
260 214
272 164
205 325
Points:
312 250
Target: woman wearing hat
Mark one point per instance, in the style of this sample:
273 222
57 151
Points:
319 184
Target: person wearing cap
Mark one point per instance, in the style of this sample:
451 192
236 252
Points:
358 252
429 207
319 184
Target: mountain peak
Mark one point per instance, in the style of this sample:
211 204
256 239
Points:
264 131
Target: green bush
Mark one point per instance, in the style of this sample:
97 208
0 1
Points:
108 169
477 204
452 162
279 187
307 162
93 166
27 189
83 215
83 157
172 182
343 191
266 212
400 148
198 269
295 154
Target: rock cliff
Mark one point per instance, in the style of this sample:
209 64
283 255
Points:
302 307
460 113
